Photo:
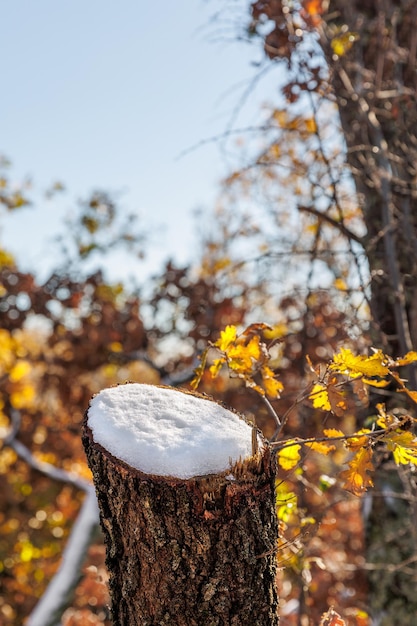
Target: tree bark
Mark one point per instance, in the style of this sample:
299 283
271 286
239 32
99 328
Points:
195 552
375 85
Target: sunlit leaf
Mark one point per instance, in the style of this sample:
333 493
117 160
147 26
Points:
320 397
199 370
356 478
403 446
410 357
376 383
227 337
272 386
358 440
321 447
346 362
216 366
333 432
289 456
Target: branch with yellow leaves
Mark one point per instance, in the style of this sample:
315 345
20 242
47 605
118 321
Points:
246 355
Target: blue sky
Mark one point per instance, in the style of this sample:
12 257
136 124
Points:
100 94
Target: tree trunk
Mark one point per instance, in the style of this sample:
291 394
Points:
192 552
375 85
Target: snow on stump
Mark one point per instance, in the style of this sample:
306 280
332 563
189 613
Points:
187 505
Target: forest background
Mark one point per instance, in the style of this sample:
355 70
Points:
314 234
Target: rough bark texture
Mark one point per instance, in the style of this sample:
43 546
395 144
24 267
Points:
197 552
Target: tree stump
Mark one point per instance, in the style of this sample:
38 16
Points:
187 551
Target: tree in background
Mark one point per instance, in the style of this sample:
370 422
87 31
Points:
351 66
295 243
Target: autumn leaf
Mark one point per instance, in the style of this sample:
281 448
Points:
337 399
376 383
320 397
272 386
241 358
322 447
356 476
403 446
358 440
333 432
289 456
410 357
227 337
199 371
216 366
346 362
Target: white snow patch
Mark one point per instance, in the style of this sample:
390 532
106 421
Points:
166 432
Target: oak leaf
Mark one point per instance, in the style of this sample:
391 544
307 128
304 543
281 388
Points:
356 476
289 456
346 362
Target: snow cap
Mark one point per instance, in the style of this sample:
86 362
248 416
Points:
166 432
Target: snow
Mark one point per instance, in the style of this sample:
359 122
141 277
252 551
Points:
166 432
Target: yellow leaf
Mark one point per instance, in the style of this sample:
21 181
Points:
241 358
358 440
333 432
320 397
321 447
410 357
199 371
289 456
272 386
216 367
347 362
403 446
376 383
356 476
227 337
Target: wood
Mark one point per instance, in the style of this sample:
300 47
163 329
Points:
196 552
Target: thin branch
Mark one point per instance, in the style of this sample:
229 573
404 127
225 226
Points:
329 220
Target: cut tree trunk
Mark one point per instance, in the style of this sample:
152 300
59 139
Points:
188 552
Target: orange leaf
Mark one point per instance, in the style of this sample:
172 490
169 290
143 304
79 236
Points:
333 432
356 476
321 447
410 357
